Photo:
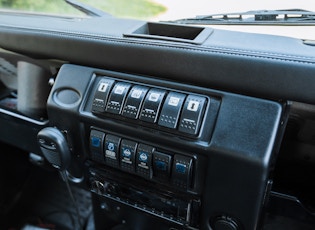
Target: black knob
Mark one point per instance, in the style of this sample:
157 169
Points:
225 223
98 187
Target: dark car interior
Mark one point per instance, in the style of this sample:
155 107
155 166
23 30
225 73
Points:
110 123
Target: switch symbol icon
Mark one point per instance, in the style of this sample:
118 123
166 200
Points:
136 94
193 106
103 86
143 157
111 146
154 97
127 153
119 90
173 101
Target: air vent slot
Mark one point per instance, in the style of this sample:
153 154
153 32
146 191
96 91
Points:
171 32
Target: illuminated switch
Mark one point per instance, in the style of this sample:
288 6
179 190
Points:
182 171
171 110
101 95
192 114
152 105
134 101
96 145
161 166
144 160
127 155
111 150
117 98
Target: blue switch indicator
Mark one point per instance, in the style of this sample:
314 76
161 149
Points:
96 145
181 168
95 142
160 165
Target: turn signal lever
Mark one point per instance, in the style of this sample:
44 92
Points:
54 147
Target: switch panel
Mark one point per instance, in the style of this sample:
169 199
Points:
117 98
101 95
111 150
141 160
144 160
182 171
152 105
96 145
192 114
127 155
159 108
171 110
134 101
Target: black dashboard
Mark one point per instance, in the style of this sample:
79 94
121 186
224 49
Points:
170 126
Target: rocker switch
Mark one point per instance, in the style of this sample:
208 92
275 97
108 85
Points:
192 114
128 155
171 110
162 166
152 105
144 160
182 171
101 95
134 101
111 150
117 98
96 145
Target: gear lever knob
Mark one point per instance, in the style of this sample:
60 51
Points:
54 147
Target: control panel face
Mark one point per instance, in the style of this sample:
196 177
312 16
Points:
172 111
180 114
142 160
167 149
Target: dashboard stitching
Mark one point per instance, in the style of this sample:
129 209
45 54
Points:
205 49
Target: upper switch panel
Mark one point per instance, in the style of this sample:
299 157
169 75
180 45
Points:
155 107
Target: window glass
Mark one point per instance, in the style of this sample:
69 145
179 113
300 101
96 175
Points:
156 9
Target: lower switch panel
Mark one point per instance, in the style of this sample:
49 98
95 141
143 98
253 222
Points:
142 160
182 171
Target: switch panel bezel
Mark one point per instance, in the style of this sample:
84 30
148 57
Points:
152 108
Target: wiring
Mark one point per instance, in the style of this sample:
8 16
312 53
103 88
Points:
64 176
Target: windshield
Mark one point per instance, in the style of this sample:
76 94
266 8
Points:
137 9
156 9
168 10
183 9
59 7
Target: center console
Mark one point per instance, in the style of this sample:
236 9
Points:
166 155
